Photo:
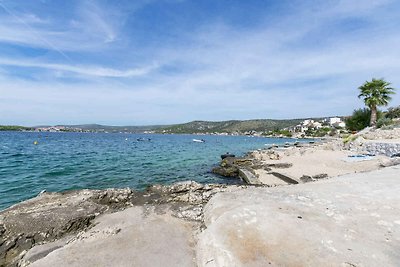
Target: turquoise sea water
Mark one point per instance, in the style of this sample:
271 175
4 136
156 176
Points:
64 161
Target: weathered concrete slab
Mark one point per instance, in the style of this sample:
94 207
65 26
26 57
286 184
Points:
268 179
353 220
285 177
248 177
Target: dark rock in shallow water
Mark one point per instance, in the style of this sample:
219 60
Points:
231 166
226 171
227 168
227 155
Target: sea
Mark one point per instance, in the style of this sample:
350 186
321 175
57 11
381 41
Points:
34 161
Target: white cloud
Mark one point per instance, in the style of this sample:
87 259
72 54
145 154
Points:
90 29
82 70
95 20
357 7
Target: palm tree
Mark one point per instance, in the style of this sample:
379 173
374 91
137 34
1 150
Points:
375 93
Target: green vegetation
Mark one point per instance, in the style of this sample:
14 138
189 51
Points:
383 122
14 128
278 132
319 132
110 129
360 119
375 93
349 138
233 126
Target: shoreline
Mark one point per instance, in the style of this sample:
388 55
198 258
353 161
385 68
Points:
32 230
133 175
324 159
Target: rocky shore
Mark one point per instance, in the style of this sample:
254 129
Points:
64 216
347 220
304 163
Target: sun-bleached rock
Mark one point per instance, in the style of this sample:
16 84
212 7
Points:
344 221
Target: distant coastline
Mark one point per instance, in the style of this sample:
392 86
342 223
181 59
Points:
256 127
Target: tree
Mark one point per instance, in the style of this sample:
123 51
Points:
375 93
360 119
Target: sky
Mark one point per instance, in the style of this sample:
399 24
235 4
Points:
147 62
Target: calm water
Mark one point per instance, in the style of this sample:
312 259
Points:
64 161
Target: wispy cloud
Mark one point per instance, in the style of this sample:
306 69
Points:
90 28
95 20
82 70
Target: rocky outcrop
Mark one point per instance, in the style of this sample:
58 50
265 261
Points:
242 168
230 171
52 216
380 134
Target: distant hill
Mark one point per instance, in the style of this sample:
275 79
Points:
14 128
232 126
113 129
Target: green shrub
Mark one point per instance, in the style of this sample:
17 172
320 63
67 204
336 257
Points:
383 122
318 132
285 133
360 119
349 138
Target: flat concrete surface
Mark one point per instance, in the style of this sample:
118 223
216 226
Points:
269 179
352 220
132 237
248 177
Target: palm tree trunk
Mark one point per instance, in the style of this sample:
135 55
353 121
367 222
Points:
372 122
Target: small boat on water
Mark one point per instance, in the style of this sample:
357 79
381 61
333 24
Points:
141 139
199 140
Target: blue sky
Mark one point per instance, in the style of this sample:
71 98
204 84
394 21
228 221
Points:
172 61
